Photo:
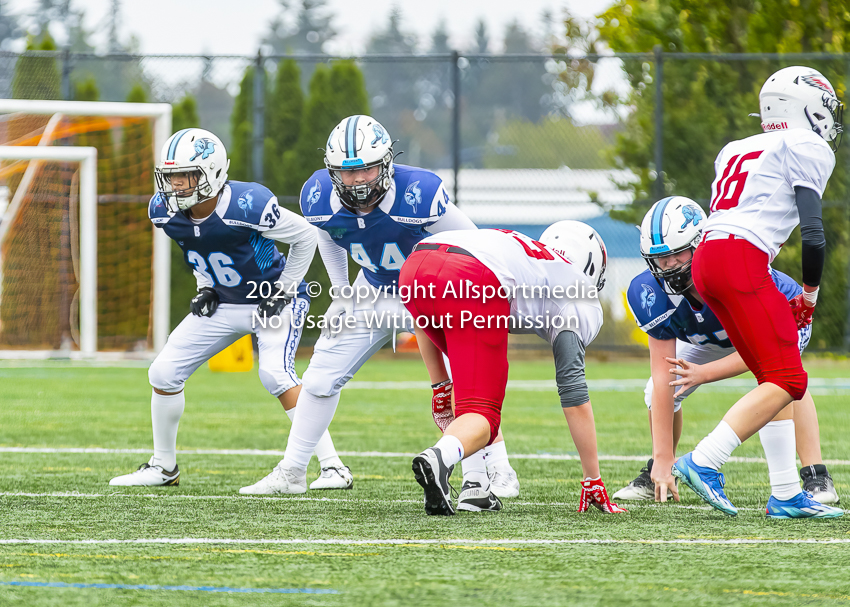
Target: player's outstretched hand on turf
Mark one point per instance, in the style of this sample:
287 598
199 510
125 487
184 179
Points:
690 375
205 302
662 475
272 306
802 311
593 493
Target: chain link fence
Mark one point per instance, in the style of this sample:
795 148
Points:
524 140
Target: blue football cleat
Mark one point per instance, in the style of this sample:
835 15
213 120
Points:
801 506
706 483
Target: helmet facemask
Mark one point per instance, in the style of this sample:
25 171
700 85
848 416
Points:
836 110
677 280
363 195
181 200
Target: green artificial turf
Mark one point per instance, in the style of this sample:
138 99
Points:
65 496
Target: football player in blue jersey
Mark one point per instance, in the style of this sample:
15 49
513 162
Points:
227 231
685 333
374 210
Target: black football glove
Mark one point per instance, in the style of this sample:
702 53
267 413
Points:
272 306
205 302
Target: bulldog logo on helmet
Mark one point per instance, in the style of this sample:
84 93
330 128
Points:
203 148
691 214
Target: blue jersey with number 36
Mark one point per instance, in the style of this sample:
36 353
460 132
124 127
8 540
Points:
666 316
227 250
381 240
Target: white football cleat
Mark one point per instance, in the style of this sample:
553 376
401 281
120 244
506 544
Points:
279 481
334 477
148 476
474 498
503 482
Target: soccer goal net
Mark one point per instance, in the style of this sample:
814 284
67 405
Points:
82 271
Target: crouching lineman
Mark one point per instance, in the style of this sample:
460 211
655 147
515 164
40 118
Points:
368 207
764 186
446 278
684 332
227 231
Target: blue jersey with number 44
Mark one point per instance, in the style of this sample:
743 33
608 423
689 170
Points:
227 250
666 316
381 240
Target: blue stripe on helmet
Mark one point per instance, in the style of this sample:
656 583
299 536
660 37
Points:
351 137
658 220
172 149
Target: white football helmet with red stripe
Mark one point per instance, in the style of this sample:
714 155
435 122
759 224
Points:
581 245
801 97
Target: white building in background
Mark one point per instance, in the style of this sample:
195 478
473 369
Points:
529 200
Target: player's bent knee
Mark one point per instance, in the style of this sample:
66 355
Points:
162 377
320 384
276 383
795 382
491 412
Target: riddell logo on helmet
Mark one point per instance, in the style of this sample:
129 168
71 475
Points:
774 126
169 162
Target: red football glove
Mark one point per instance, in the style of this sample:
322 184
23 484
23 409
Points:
593 493
441 405
801 311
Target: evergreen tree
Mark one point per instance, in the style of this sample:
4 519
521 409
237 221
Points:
184 114
308 35
283 124
37 77
242 129
482 38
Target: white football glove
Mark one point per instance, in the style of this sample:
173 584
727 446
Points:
334 317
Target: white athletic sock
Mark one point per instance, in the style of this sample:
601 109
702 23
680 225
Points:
716 448
450 448
780 448
315 414
166 411
496 455
475 470
325 450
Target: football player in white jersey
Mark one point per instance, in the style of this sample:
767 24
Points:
374 210
765 186
467 289
684 332
227 231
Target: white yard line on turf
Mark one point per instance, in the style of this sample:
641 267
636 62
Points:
388 454
819 386
297 498
440 542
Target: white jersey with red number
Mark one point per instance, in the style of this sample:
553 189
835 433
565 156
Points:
529 272
753 193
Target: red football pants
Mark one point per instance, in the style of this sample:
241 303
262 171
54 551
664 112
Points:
732 276
478 354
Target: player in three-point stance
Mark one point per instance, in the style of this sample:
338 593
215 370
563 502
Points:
226 230
374 210
447 275
685 333
766 185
